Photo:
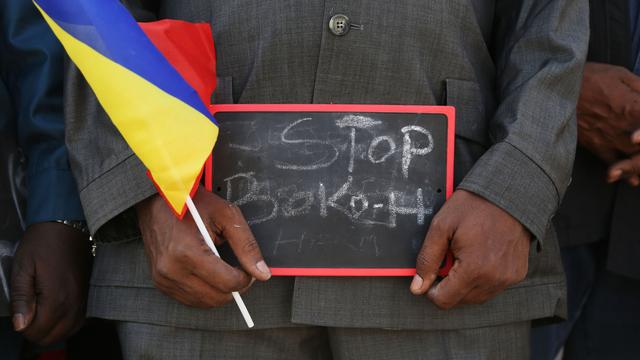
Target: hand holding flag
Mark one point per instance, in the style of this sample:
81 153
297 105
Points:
157 112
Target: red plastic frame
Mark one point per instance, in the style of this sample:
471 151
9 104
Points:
448 111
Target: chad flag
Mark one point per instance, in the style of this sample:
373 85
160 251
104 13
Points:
158 113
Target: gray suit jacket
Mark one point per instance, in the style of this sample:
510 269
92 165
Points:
511 68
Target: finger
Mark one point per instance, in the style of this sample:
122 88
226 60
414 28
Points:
23 297
598 146
217 273
480 295
631 101
234 228
634 180
624 169
620 170
204 295
195 292
614 174
635 137
452 289
46 318
430 257
68 325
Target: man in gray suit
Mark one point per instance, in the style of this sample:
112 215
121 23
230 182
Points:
511 69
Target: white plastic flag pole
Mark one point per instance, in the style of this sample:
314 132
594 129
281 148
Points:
212 246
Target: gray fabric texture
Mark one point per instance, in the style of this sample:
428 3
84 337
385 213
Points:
145 341
121 289
511 68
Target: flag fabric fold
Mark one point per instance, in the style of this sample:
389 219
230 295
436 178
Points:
189 49
159 114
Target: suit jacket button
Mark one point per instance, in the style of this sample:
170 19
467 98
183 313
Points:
339 24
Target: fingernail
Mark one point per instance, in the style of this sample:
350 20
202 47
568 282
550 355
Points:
416 283
18 322
263 268
635 138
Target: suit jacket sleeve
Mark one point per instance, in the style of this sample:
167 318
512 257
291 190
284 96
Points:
31 59
110 176
539 48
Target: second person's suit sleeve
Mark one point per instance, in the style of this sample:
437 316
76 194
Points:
539 49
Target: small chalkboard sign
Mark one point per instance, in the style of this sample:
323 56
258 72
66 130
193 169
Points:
344 190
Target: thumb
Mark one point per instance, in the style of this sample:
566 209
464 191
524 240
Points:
433 250
23 298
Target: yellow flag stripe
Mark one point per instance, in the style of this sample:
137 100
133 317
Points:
172 139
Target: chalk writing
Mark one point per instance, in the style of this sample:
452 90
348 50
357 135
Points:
347 186
408 151
326 161
358 203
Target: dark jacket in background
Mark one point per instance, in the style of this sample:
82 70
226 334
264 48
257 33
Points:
33 156
593 210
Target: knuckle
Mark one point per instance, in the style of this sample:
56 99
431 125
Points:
519 275
226 287
443 304
156 282
230 210
501 280
19 296
187 301
218 301
438 223
231 283
199 303
162 269
512 279
179 250
488 276
425 261
250 246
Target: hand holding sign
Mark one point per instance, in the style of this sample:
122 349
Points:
490 247
183 267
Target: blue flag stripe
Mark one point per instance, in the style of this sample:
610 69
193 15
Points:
107 27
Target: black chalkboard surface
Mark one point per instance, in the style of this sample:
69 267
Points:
335 189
